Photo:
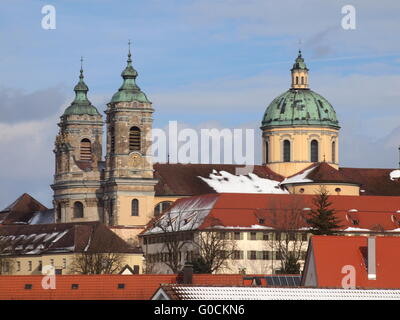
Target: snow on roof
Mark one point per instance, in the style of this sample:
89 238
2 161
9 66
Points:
267 293
351 229
395 174
225 182
253 227
299 178
42 217
187 214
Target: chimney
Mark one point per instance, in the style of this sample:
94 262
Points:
371 258
187 273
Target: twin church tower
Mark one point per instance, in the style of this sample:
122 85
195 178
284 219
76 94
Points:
119 190
299 128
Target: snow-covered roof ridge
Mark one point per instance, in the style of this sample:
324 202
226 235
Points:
395 174
299 178
185 215
225 182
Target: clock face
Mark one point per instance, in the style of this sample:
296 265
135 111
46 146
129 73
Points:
136 158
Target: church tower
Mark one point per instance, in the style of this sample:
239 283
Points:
129 184
78 153
299 127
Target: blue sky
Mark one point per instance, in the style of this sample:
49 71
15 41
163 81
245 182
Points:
200 62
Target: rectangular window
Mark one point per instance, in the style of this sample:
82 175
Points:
253 255
265 255
237 255
18 266
265 236
29 265
304 236
74 286
40 265
64 263
236 236
292 236
253 235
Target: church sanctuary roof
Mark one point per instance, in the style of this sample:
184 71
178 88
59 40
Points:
184 179
21 210
263 212
60 238
373 181
327 255
320 172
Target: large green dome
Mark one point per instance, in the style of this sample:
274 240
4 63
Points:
300 107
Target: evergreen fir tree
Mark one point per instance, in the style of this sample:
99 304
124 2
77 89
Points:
322 219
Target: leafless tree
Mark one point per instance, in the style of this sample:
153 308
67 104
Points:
214 250
287 219
175 229
178 234
105 258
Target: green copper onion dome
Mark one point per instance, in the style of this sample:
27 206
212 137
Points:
129 91
300 106
81 104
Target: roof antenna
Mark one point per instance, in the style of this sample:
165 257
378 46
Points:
168 158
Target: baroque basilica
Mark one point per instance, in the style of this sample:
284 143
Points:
300 134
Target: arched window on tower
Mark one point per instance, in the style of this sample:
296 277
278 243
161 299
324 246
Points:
302 80
112 140
134 139
333 152
297 80
135 207
266 152
86 150
59 213
78 209
286 151
314 151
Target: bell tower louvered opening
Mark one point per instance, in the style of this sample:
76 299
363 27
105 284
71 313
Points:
86 150
134 139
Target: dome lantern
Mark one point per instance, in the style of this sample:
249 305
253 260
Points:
299 73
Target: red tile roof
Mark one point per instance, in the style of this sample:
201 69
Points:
101 287
183 179
373 181
333 252
21 210
236 210
61 237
